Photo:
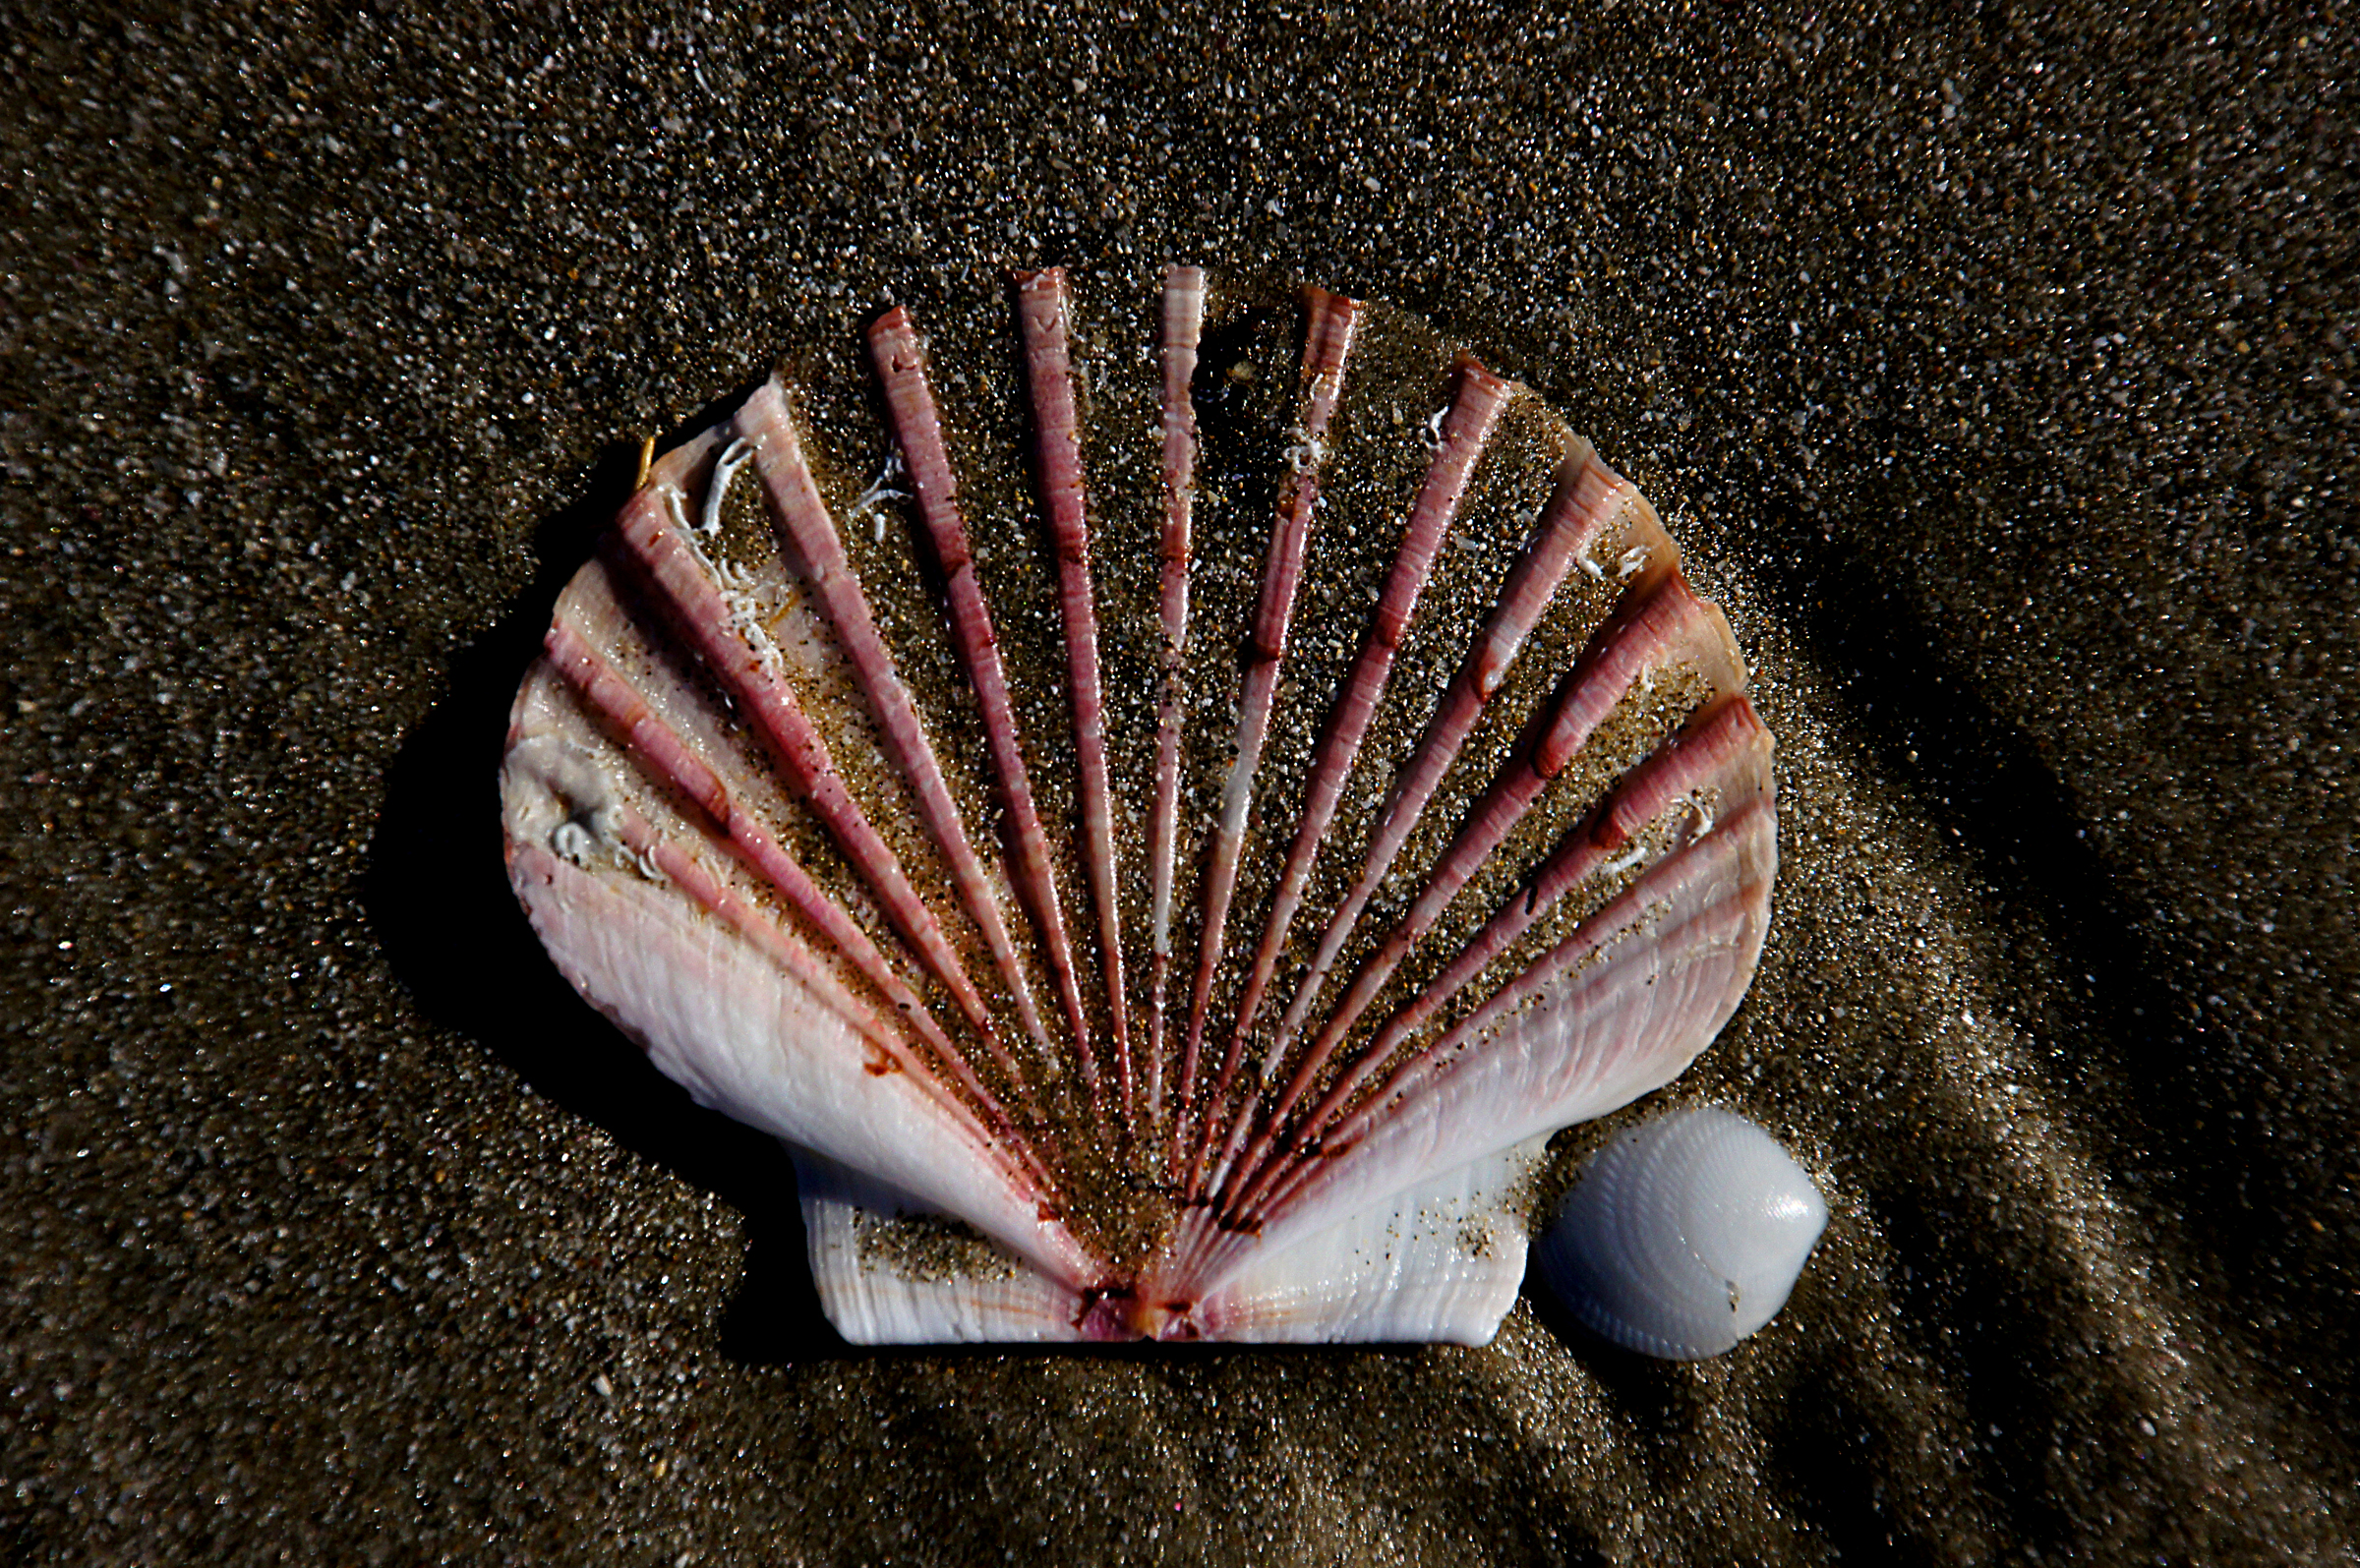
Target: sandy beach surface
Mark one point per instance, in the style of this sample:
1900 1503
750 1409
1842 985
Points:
1990 362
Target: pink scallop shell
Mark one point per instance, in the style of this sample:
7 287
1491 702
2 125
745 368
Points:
1166 874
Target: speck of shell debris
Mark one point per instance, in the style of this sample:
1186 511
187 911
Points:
1993 363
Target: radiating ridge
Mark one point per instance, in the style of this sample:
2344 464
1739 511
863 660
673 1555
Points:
1465 428
1327 345
1041 315
1183 322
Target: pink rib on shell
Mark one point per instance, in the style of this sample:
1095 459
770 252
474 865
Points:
1327 345
790 954
1709 898
812 537
1717 748
1588 500
662 750
704 619
1042 317
1665 623
1183 324
901 366
1466 428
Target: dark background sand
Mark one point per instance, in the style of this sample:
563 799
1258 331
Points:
1991 362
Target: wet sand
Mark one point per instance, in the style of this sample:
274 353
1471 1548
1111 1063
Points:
1991 368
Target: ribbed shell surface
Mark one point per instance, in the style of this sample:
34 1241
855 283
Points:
1685 1236
1164 799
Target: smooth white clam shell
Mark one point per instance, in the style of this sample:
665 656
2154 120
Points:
1683 1236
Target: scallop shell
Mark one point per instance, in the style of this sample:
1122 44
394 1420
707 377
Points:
1163 815
1683 1236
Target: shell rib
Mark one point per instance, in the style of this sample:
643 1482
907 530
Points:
1327 345
1168 874
1183 319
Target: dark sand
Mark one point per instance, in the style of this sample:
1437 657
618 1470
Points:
1991 363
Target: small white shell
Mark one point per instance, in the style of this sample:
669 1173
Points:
1683 1236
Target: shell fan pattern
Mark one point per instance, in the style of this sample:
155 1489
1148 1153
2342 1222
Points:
1165 803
